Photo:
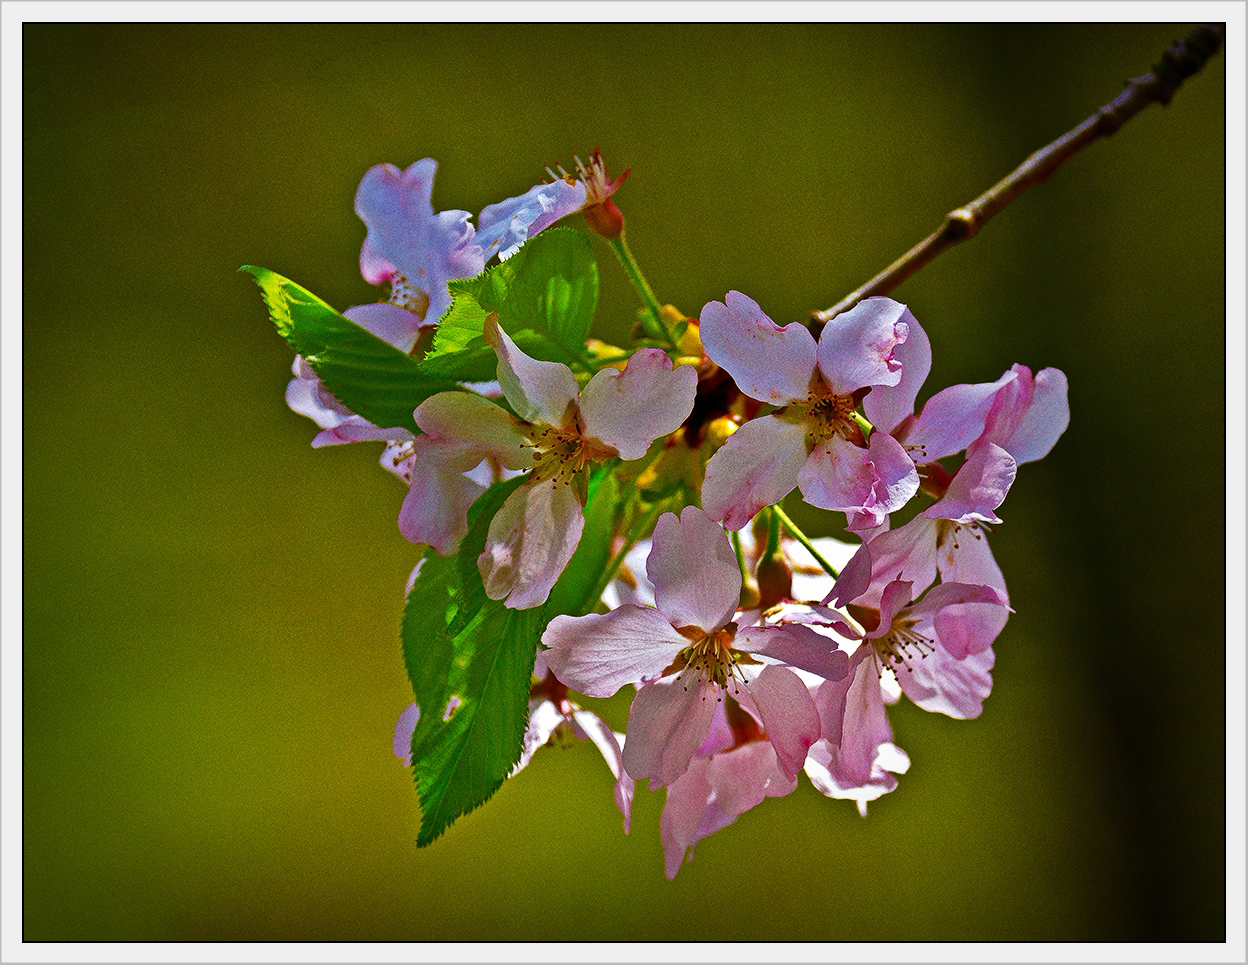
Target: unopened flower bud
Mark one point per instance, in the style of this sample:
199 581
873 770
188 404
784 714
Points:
775 581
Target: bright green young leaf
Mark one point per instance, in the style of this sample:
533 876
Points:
368 375
470 660
545 296
593 551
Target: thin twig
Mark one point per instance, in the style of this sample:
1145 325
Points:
1180 60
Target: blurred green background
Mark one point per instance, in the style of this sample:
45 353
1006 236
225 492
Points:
212 669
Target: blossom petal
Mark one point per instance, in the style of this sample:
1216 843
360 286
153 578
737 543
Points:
887 405
952 419
697 582
529 543
544 718
768 363
668 721
966 617
889 760
867 483
798 646
435 509
745 776
391 323
686 802
964 556
1028 415
541 392
502 228
788 715
978 487
944 684
628 410
602 652
758 466
858 348
404 728
611 746
461 429
1045 419
405 236
864 726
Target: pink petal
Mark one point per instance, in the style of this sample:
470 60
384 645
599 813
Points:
945 685
965 617
768 363
687 799
798 646
602 652
964 556
694 571
889 760
758 466
1028 415
404 728
391 324
788 715
1044 421
864 726
858 348
504 227
610 745
978 488
906 553
529 543
747 775
952 419
544 717
461 429
540 392
668 721
628 410
866 483
887 405
435 510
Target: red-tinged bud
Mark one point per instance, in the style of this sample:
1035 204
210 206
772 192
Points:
605 220
601 214
775 581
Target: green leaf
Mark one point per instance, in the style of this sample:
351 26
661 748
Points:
593 552
545 296
555 290
367 374
470 660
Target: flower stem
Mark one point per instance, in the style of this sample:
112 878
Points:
635 532
1178 62
739 550
802 538
654 323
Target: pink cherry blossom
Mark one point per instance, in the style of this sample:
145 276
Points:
557 433
689 655
417 251
876 350
735 769
855 757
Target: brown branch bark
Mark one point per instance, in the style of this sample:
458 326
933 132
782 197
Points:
1180 60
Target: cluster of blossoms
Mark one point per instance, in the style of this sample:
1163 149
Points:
755 652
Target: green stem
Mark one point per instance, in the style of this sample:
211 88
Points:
633 270
864 425
802 538
636 531
740 551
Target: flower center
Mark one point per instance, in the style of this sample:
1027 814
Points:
710 658
948 532
902 644
826 414
561 454
406 295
